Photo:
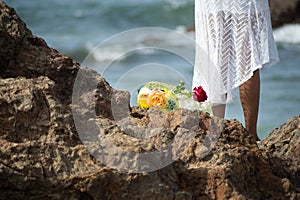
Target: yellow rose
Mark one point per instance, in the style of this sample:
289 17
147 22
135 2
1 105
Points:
157 99
168 94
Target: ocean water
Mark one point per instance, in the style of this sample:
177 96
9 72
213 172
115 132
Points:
131 42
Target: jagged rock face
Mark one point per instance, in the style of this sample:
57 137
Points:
283 151
46 151
25 55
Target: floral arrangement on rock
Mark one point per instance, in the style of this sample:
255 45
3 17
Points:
168 97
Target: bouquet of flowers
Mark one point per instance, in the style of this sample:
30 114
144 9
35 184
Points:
168 97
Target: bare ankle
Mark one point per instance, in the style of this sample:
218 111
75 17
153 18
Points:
254 134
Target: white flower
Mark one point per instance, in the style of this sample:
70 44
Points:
143 93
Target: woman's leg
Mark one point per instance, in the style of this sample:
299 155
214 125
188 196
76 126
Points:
250 95
219 110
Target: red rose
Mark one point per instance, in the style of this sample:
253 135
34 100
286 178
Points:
199 94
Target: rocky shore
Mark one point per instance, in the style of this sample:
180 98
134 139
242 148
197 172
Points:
64 137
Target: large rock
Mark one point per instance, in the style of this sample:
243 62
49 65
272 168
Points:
283 151
283 12
64 137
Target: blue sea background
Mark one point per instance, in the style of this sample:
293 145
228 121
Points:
76 27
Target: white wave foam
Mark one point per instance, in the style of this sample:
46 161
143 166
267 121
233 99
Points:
109 53
177 3
118 48
289 33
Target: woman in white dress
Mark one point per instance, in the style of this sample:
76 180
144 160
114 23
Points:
234 40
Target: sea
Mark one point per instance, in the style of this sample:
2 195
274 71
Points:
131 42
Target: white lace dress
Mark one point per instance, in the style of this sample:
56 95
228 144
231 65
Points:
233 39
